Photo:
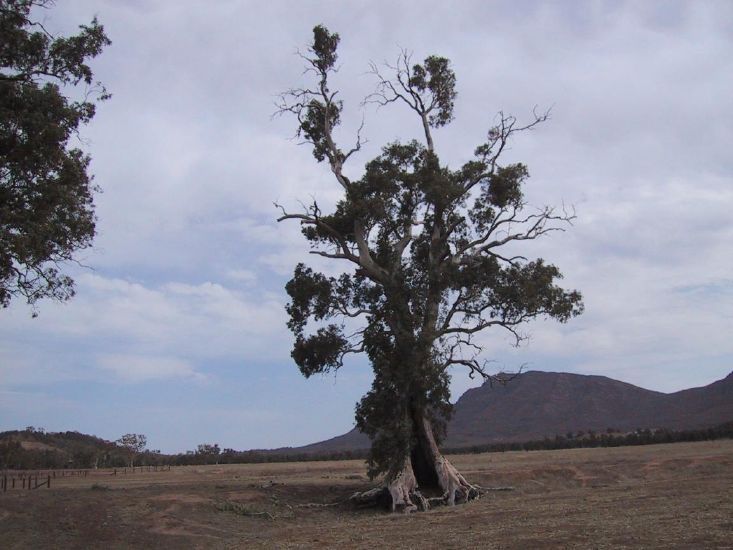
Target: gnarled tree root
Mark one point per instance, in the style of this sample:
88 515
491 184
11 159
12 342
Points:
454 485
401 493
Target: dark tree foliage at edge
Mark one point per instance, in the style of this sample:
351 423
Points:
46 192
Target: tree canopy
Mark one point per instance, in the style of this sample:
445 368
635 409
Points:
433 261
133 444
46 192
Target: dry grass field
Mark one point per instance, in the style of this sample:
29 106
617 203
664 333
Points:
661 496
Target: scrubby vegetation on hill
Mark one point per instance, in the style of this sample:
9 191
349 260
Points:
34 448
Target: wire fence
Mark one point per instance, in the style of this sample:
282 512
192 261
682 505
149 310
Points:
36 479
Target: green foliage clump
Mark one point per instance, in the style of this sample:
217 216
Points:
46 192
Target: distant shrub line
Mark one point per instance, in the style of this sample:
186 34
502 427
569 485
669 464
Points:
610 438
77 450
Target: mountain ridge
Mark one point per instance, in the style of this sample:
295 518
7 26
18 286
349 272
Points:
538 404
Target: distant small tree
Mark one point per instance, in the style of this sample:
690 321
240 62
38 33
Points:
133 444
101 458
228 456
207 451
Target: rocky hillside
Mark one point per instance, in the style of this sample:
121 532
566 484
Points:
542 404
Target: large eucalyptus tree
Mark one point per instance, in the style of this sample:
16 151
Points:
428 268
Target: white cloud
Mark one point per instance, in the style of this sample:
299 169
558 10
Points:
135 368
178 328
247 276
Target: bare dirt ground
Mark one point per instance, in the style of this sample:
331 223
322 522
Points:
660 496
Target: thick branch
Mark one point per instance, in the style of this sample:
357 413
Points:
537 228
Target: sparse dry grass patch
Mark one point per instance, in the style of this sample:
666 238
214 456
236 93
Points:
661 496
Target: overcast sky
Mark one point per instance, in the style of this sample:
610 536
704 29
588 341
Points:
178 327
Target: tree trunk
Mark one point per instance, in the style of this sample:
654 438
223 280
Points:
426 469
433 470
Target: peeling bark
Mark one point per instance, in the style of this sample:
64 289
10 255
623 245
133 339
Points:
454 486
403 490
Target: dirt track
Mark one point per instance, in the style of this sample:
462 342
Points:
661 496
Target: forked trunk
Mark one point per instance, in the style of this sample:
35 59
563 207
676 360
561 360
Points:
426 479
433 470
